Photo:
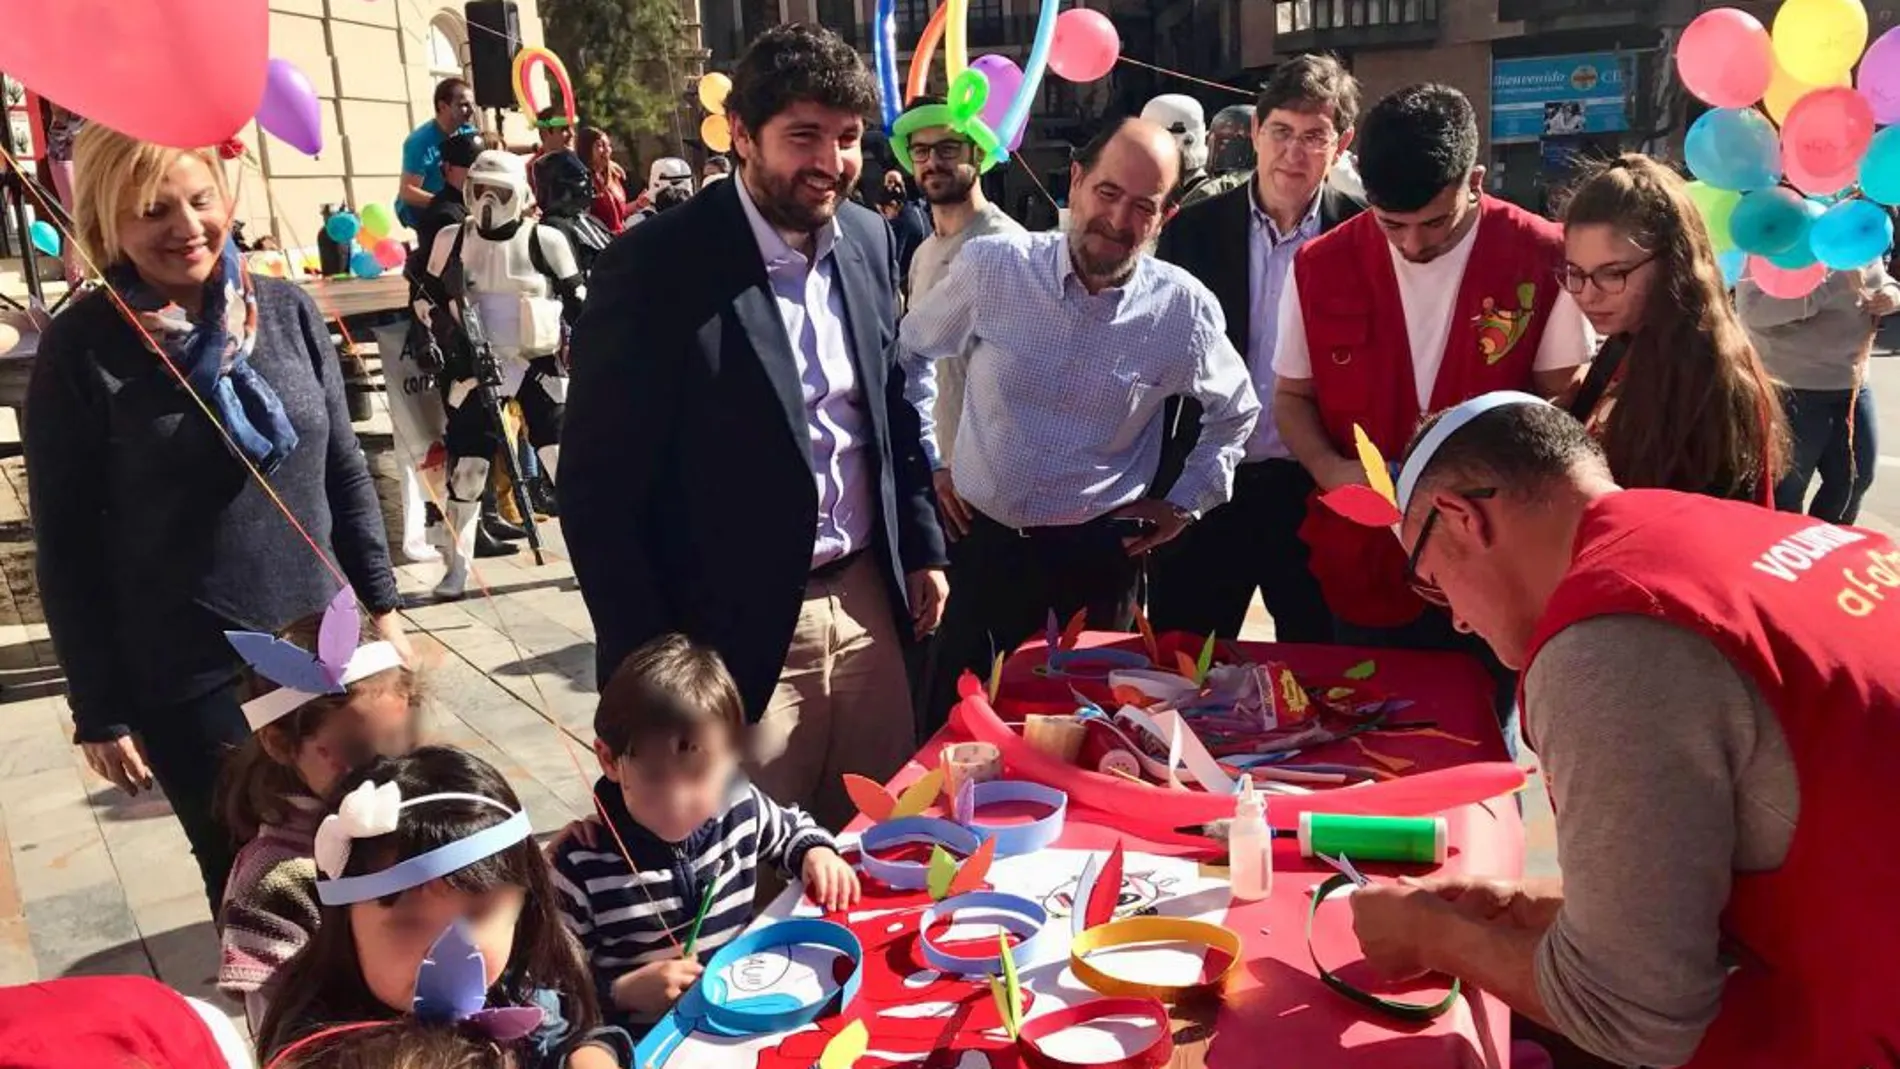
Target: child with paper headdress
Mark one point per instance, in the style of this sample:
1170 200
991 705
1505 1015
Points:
313 722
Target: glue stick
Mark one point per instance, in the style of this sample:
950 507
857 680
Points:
1420 840
1250 846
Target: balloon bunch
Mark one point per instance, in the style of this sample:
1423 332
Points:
1784 206
379 252
989 93
715 130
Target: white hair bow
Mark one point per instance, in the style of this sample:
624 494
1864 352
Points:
366 812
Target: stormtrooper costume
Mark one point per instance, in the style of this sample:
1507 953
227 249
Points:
666 171
1183 116
567 197
523 280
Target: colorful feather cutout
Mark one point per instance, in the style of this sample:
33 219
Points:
1206 660
1073 633
1362 505
1009 999
281 662
1052 632
1106 893
943 869
338 633
996 676
973 872
1361 671
452 984
1149 643
1084 890
877 803
846 1047
1378 476
1184 665
963 811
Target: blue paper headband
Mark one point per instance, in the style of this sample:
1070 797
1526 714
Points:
911 875
1015 840
367 813
1041 942
1449 424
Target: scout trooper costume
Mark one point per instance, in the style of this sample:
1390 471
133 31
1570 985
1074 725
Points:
1183 117
523 281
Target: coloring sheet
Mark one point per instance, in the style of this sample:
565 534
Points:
916 1014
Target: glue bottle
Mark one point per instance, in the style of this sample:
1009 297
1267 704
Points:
1250 846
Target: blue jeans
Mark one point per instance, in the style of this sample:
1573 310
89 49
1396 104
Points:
1433 630
1818 420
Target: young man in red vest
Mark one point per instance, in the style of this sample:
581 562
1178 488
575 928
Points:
1713 692
1436 294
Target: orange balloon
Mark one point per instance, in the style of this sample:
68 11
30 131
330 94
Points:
716 133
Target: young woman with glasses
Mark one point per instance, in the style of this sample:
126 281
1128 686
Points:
1677 395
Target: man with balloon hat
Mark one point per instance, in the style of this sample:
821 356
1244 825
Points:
1711 690
1437 293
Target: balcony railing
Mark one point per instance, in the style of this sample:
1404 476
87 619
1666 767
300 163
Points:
1306 25
1581 10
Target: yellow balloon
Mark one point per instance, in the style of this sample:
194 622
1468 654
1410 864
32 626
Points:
716 133
712 92
1818 41
956 47
1784 89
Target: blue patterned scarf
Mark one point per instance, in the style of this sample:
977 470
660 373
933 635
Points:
213 352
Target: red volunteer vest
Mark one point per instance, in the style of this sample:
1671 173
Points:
1811 613
1362 372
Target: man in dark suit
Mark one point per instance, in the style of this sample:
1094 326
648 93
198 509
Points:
1241 244
739 463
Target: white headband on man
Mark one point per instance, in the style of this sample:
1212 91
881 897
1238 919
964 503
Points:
1450 423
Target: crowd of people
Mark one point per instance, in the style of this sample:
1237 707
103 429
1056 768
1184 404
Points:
816 461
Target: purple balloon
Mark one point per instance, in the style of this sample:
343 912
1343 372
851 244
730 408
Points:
1006 80
1880 77
290 111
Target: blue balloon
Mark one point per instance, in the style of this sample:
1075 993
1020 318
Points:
343 227
1880 167
364 265
1852 234
45 238
1734 148
1733 262
1769 222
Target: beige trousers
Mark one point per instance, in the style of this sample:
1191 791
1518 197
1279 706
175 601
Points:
843 701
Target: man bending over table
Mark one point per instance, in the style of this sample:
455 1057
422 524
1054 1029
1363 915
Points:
1713 691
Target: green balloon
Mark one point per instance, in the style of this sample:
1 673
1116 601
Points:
378 220
1716 206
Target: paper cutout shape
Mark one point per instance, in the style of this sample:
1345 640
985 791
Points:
1174 754
282 663
1149 643
877 803
1362 505
996 677
1052 632
1378 476
1361 671
337 635
1073 633
452 988
975 870
846 1047
1206 660
963 810
1008 989
1084 893
1185 665
1185 749
1290 701
1099 905
943 869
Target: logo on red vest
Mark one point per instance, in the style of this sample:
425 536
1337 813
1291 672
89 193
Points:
1500 329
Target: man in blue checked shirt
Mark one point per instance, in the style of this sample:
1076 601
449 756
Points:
1076 342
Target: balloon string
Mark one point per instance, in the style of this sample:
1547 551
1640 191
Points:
1188 77
540 706
131 317
1030 173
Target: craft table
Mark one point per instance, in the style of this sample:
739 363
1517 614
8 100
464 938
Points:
1276 1011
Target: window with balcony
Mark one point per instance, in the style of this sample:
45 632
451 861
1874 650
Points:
912 17
1330 17
841 17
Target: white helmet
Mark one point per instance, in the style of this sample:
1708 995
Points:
497 190
669 171
1182 116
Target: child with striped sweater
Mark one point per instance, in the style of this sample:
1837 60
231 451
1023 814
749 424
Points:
668 734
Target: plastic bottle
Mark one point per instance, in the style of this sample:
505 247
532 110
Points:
1250 846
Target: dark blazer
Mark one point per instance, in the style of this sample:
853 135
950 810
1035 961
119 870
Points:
1211 239
686 489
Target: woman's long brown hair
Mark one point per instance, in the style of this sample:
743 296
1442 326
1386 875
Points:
1695 410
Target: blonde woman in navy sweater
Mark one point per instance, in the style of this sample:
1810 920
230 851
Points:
153 538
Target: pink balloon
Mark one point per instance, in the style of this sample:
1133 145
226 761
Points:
111 63
1086 45
1780 282
1827 131
290 110
1725 58
1820 185
1880 77
390 253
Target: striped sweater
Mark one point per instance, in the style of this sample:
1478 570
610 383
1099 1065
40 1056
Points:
270 904
626 918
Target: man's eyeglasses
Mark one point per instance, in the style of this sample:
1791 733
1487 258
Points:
951 151
1610 279
1429 591
1312 141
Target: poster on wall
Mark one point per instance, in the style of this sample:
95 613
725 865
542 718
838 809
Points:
1538 97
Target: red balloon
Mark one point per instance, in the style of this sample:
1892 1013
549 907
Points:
390 253
1725 58
1085 46
108 68
1828 131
